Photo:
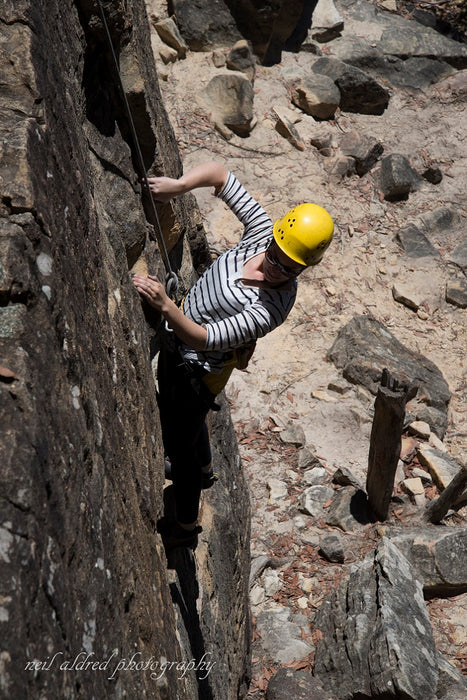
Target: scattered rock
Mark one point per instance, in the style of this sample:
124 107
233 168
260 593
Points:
459 255
306 458
277 490
420 428
257 595
272 583
360 92
327 23
339 386
167 54
436 418
169 33
415 489
285 128
317 95
344 477
323 396
229 97
348 510
442 467
258 564
241 58
423 475
377 634
456 293
322 142
331 549
397 177
408 296
365 150
313 500
405 39
219 58
314 476
415 243
439 219
435 442
282 635
342 167
293 435
416 73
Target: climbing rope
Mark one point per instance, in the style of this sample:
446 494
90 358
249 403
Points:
171 280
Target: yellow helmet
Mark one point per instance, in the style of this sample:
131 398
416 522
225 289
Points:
304 233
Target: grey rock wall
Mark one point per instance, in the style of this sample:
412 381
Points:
85 593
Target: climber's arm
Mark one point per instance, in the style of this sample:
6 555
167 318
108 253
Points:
209 174
188 331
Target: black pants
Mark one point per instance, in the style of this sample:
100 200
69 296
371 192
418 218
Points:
184 403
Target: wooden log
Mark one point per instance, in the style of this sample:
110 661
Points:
385 441
437 509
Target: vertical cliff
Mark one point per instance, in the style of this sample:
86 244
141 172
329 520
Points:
84 584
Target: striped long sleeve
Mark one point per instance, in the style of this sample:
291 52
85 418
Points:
235 313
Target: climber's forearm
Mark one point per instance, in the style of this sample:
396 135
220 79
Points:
210 174
189 332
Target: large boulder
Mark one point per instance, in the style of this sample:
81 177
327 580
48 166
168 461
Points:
229 99
205 24
317 95
364 347
408 39
360 92
377 639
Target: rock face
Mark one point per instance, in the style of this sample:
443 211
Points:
83 573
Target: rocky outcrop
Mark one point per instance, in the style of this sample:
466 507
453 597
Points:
85 591
377 638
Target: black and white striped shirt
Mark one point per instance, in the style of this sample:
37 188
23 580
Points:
233 312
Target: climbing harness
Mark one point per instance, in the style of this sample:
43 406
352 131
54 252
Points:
171 280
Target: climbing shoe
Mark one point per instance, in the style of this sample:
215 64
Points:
173 535
208 479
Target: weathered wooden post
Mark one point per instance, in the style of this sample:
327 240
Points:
437 509
385 441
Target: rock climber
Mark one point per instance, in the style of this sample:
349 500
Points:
246 293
